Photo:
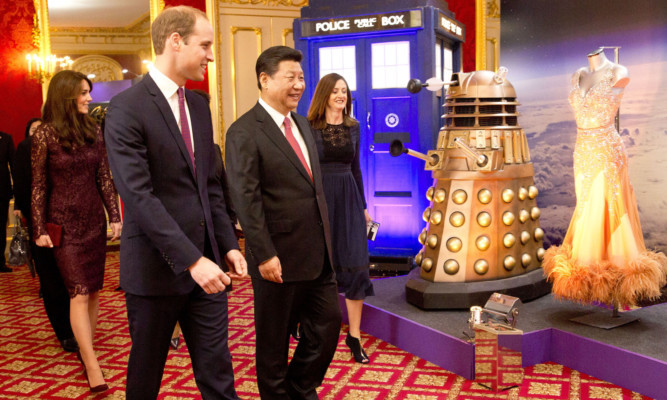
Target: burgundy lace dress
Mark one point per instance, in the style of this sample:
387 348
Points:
72 188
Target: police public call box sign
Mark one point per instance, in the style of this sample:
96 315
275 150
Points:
362 23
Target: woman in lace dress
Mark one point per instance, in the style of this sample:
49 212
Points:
603 257
71 187
337 139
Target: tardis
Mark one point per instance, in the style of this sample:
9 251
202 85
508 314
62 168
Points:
378 46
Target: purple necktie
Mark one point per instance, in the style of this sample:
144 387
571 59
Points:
295 146
185 127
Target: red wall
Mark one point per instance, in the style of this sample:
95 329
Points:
21 97
464 11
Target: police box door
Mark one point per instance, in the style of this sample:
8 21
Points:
377 70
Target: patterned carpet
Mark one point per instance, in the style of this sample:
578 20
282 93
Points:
32 365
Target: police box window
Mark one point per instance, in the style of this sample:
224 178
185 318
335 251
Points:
391 64
341 60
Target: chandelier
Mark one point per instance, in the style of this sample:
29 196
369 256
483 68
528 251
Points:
42 69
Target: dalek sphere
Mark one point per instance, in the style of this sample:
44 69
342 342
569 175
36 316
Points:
483 221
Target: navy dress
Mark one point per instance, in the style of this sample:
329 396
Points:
338 149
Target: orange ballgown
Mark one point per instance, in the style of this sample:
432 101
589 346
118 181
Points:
603 257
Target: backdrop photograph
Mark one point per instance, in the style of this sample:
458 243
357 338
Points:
542 50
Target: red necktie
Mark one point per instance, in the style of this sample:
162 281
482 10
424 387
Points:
185 127
295 146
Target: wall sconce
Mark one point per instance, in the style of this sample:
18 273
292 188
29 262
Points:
42 69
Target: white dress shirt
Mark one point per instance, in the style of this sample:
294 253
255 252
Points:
279 119
169 89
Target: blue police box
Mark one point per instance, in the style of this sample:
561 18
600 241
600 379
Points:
378 45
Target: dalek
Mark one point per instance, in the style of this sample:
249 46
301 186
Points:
482 223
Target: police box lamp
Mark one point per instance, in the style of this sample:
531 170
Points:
500 310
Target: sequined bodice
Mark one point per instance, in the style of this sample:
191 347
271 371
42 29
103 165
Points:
596 107
599 148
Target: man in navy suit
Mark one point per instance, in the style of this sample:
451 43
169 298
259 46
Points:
176 231
276 186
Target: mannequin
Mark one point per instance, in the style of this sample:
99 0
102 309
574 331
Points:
598 64
603 257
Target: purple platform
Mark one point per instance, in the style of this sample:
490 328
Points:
632 356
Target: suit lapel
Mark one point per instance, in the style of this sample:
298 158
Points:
274 133
169 119
304 128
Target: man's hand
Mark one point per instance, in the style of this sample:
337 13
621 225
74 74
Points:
271 270
209 276
44 241
238 267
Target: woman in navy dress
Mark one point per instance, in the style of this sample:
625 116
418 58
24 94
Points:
337 138
71 187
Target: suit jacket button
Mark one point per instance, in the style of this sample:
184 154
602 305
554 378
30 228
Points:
319 223
202 222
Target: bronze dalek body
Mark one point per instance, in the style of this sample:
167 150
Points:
482 224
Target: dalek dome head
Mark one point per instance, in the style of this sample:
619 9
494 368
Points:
481 99
482 84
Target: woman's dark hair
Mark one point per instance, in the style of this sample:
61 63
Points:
268 61
27 127
318 105
62 113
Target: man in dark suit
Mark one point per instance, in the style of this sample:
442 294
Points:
276 187
160 144
6 163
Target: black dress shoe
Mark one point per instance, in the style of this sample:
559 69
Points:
357 351
5 268
69 345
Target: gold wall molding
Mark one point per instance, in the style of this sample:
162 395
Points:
492 9
286 32
42 24
155 8
140 26
234 30
214 79
105 68
496 52
480 35
271 3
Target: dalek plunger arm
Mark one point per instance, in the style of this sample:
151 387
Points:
396 149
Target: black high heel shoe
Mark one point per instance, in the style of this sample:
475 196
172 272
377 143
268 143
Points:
357 351
94 389
296 333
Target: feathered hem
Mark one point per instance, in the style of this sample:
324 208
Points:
603 281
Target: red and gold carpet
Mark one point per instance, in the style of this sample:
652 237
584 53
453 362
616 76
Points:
33 366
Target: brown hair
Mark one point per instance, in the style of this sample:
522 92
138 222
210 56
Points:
62 113
179 19
318 105
270 58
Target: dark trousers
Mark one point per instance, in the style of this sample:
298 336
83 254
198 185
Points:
4 210
203 320
54 293
278 307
